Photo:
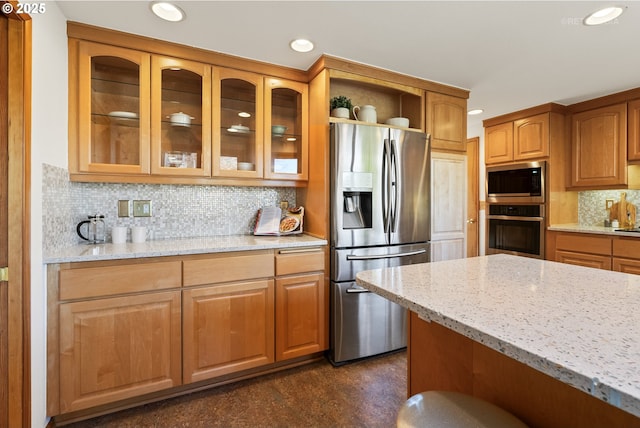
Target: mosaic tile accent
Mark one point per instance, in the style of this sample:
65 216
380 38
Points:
178 211
591 205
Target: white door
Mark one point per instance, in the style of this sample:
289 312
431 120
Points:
448 206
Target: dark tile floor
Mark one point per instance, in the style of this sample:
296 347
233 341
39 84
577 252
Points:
366 393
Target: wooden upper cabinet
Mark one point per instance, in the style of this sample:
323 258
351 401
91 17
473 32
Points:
599 147
109 109
634 130
285 131
531 137
498 143
519 140
239 122
180 117
446 122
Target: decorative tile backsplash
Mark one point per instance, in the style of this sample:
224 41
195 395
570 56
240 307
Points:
591 205
179 211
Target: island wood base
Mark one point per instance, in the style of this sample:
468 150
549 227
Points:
441 359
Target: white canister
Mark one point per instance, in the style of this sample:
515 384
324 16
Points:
118 234
138 234
366 113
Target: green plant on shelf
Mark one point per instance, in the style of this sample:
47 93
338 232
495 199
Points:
341 101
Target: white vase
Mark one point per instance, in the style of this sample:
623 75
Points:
341 112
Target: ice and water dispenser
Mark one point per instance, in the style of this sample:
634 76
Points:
357 195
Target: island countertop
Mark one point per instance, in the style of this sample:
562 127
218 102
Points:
578 325
178 247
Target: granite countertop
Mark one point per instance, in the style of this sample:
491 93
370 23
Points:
601 230
576 324
178 247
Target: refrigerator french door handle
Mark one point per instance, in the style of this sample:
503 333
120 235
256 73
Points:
386 188
357 290
393 185
386 256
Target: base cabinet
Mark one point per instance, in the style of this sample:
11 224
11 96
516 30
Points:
152 328
227 328
299 316
117 348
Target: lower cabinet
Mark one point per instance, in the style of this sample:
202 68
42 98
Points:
117 348
227 328
122 329
618 253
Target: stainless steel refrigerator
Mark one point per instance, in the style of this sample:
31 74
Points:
380 198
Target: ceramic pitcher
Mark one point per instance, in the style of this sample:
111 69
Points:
366 113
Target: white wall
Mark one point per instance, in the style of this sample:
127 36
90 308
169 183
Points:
48 144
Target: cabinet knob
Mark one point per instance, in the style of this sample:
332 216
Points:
471 221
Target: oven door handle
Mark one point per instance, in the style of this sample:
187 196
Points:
512 217
386 256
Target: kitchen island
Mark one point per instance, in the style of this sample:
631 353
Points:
555 344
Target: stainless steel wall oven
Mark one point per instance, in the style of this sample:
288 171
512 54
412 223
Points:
516 229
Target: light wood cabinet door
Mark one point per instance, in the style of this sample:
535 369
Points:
531 137
180 117
227 328
634 130
626 265
583 259
446 122
238 110
498 143
112 110
599 147
117 348
286 130
448 206
300 315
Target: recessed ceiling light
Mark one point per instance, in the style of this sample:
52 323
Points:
301 45
603 16
167 11
475 111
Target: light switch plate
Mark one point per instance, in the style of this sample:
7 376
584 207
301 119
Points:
142 208
123 208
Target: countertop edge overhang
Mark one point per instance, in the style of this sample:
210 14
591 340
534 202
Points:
179 247
572 323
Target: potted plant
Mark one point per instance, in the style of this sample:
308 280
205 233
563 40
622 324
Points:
341 107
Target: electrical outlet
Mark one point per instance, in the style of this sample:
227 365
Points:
608 203
123 208
142 208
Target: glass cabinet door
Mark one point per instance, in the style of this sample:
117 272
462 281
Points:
286 106
113 110
238 134
180 117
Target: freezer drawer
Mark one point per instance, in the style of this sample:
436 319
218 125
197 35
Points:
364 324
346 263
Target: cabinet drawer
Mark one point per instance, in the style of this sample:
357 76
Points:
228 267
584 243
629 248
582 259
97 281
299 260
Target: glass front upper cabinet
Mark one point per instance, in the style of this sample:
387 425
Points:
286 105
238 134
180 117
113 110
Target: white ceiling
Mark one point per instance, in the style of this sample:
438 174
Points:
510 54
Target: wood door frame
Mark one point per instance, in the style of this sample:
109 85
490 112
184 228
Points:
473 197
19 211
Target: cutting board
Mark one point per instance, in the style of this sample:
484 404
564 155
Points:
619 212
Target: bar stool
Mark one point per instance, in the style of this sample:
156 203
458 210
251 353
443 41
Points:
447 409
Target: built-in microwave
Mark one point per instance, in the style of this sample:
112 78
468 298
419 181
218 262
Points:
516 183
